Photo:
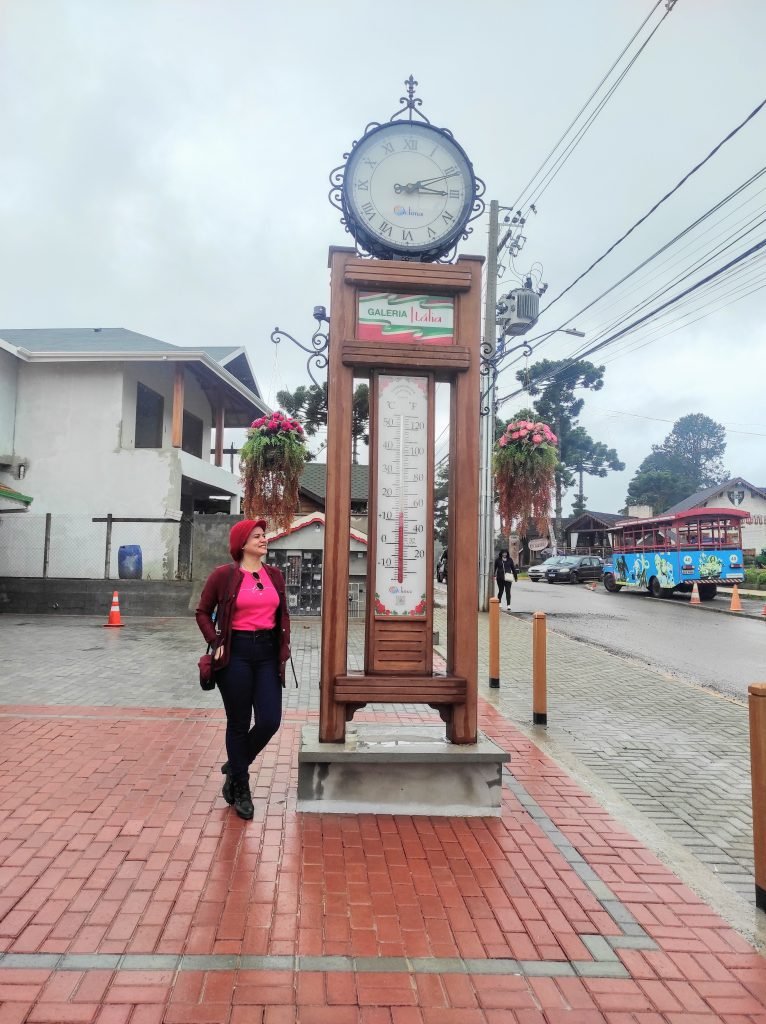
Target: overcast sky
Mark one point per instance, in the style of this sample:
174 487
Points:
164 168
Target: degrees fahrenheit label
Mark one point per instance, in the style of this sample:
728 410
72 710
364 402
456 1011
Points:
402 490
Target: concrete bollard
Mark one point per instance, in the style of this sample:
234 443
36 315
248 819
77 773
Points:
494 643
539 671
757 705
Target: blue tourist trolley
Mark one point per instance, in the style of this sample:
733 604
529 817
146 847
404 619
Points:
672 552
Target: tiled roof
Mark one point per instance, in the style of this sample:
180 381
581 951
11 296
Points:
314 480
605 518
83 339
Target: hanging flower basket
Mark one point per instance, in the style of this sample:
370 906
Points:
271 461
525 461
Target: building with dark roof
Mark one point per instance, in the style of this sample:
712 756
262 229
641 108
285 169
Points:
734 493
590 532
99 421
313 487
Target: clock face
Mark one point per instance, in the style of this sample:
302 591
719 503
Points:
408 189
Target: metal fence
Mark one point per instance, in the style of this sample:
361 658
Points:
81 546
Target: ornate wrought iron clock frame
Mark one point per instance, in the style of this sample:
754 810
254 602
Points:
367 244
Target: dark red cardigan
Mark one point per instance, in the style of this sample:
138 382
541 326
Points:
220 594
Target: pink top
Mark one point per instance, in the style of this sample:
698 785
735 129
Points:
254 608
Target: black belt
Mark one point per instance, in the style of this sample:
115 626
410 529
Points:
255 634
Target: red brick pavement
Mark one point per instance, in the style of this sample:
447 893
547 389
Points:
114 840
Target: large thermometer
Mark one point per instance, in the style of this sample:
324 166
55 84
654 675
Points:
401 529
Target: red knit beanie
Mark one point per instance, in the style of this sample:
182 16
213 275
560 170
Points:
239 534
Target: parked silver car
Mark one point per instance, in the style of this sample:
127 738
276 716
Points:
537 572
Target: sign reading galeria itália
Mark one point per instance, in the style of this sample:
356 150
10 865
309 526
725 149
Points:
406 319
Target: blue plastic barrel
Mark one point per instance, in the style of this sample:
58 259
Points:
130 564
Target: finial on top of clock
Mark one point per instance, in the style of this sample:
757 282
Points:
411 103
407 189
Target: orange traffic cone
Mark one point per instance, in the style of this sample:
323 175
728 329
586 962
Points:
114 612
695 594
736 603
763 613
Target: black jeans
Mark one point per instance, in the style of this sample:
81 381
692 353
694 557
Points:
504 588
250 688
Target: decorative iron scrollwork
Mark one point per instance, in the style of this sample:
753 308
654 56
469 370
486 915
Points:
366 247
490 368
319 343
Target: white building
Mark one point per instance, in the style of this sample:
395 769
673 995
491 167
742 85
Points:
735 493
97 422
299 553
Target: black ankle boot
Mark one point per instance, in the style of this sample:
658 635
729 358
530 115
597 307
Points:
243 802
226 791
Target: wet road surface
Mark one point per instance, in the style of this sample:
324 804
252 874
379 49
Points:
723 652
720 651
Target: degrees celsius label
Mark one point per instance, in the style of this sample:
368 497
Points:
402 492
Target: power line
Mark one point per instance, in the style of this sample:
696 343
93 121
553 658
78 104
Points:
529 186
658 252
658 204
572 146
661 419
650 315
703 261
760 282
656 271
583 352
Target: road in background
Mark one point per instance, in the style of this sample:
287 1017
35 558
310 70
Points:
721 651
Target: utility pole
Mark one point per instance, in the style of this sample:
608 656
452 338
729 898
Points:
487 425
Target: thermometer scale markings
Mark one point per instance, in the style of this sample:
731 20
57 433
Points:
400 582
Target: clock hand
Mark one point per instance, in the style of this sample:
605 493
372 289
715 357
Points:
440 177
416 186
430 192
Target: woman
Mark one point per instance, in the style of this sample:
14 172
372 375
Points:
505 572
252 646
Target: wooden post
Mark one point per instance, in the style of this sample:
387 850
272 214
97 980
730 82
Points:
108 552
757 705
463 543
340 387
494 643
178 406
539 671
219 420
47 545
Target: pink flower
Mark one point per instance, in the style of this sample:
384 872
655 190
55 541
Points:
537 438
554 439
515 435
503 441
523 432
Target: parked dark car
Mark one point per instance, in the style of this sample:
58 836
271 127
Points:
441 567
575 569
537 572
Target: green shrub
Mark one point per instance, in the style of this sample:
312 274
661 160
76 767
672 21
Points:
752 576
762 579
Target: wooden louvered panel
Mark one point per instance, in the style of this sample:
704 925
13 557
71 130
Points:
401 647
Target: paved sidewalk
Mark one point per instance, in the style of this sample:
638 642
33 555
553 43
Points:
676 753
130 893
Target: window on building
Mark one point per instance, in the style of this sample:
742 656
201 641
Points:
150 411
191 441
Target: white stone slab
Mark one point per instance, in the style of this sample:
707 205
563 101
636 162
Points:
399 770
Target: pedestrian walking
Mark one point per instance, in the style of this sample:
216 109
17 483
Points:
505 574
250 638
